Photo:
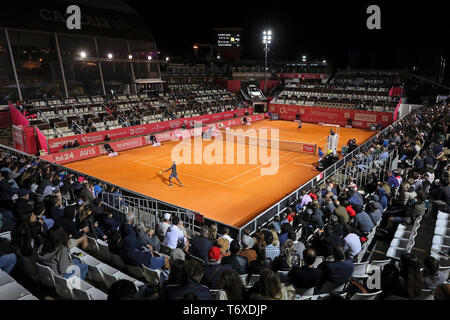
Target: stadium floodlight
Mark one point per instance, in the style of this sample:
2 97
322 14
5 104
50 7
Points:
83 54
149 57
267 39
130 56
110 55
218 57
324 61
167 59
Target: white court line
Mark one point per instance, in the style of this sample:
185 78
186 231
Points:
250 170
256 178
186 174
232 178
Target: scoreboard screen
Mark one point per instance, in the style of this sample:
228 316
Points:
227 39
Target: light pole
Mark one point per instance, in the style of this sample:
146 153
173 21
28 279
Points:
267 39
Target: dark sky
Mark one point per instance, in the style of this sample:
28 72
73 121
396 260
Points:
413 32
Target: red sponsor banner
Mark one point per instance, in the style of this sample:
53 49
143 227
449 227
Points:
77 154
124 144
54 145
18 136
42 140
360 119
309 148
397 109
17 118
30 140
302 75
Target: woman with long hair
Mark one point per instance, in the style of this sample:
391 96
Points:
54 253
287 258
231 286
269 287
411 276
213 235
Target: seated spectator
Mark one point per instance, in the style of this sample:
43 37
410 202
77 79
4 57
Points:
224 247
163 226
307 276
230 286
122 290
114 243
134 254
269 287
361 223
200 245
337 226
352 244
226 234
54 253
27 235
272 251
339 271
374 213
260 263
174 237
432 277
237 262
326 241
148 237
287 258
187 286
77 235
246 238
7 262
214 269
341 213
276 224
411 280
247 250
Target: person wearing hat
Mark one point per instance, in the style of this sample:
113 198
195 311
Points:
173 174
163 226
214 269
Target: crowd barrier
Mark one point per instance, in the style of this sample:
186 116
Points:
360 119
56 144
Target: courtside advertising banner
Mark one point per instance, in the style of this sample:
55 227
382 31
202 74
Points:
360 119
56 144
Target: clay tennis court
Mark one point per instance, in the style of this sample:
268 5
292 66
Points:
229 193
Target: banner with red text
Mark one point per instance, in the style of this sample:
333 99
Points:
56 144
360 119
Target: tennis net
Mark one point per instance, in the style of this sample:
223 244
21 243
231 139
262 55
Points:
285 145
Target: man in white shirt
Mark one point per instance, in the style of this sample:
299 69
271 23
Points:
352 242
163 226
226 235
174 235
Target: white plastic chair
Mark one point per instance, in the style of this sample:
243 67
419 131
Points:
380 263
282 275
366 296
441 240
244 278
319 260
305 292
13 291
443 223
5 278
103 250
442 231
88 292
254 278
117 261
442 216
360 270
328 287
46 275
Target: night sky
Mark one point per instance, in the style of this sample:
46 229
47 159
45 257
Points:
413 32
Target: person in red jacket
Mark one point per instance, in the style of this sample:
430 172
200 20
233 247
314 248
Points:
351 212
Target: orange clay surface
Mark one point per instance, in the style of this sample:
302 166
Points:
230 193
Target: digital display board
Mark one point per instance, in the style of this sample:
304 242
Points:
228 39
